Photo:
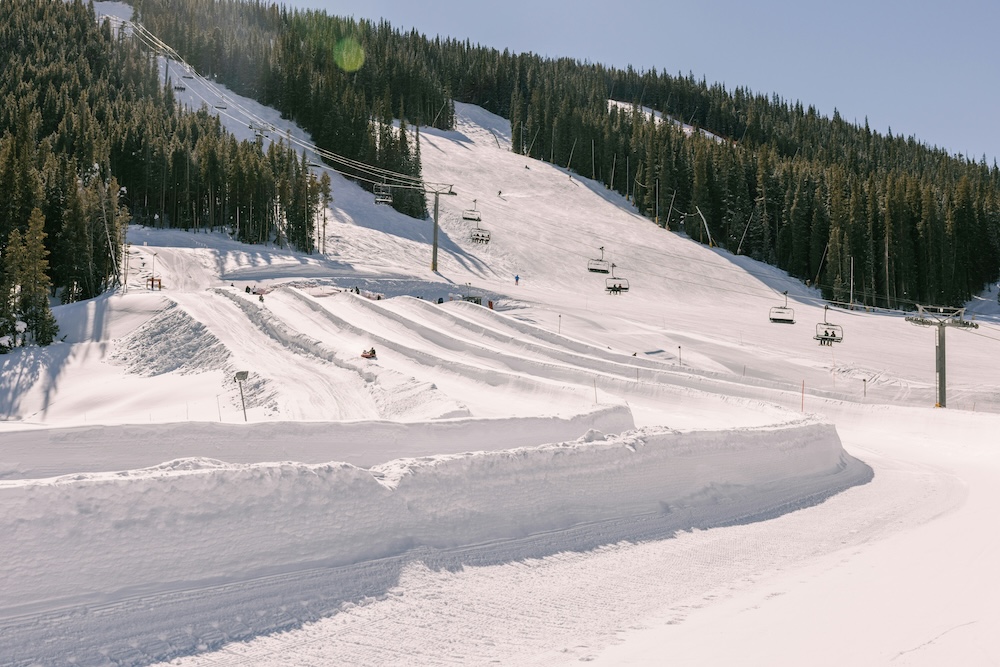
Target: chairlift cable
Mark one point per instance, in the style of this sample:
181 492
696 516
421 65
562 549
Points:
405 181
374 174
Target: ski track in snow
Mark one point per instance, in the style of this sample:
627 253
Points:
558 609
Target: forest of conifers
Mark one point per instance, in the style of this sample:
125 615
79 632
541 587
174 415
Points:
88 132
811 193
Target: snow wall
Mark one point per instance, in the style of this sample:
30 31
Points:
85 536
47 452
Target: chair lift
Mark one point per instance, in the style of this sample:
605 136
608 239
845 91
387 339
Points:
599 265
615 285
383 193
180 86
477 235
187 76
828 333
783 314
480 235
471 214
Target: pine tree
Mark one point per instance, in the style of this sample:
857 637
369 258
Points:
34 285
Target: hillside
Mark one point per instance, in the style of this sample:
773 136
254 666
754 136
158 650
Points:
569 475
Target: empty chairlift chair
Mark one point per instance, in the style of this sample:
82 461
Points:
599 265
783 314
383 194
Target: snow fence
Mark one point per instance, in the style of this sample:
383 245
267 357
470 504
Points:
88 536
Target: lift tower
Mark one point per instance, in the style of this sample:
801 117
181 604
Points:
941 318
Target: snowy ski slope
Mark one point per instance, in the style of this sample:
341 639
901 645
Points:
568 475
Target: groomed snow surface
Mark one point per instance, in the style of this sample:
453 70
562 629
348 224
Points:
658 477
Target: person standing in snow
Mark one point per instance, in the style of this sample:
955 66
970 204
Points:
517 279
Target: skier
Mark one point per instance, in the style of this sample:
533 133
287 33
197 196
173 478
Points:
517 279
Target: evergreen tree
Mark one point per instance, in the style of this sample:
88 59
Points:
33 285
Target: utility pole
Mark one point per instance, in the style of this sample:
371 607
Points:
941 318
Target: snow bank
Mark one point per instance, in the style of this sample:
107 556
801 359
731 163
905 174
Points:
92 536
36 453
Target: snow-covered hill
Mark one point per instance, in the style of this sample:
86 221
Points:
558 474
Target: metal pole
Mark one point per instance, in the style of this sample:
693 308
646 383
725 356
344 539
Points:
705 222
243 402
571 151
434 254
941 402
240 377
666 223
745 230
852 282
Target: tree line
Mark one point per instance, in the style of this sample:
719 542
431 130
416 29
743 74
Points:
343 81
775 180
91 138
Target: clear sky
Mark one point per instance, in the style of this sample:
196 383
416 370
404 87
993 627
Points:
926 69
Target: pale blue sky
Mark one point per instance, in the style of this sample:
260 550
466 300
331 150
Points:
930 70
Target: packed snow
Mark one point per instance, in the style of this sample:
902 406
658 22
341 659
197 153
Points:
560 474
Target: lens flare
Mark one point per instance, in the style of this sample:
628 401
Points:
349 55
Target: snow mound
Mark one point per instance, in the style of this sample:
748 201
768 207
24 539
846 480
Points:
283 517
170 342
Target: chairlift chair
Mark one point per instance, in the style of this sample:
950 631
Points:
783 314
615 285
479 235
599 265
383 193
187 76
180 87
828 333
472 214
